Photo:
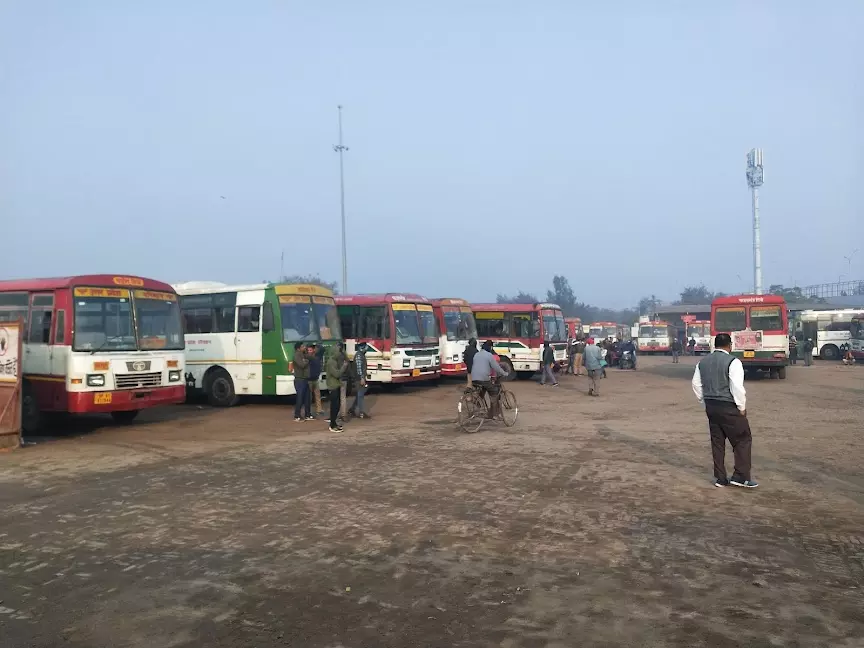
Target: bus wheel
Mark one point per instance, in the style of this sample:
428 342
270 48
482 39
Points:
126 416
829 352
220 388
781 373
508 367
31 418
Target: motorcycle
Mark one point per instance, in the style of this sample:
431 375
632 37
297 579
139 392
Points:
627 361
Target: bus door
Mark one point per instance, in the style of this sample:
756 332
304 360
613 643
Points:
247 343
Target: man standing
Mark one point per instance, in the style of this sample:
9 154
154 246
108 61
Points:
356 408
548 363
718 383
300 364
579 349
594 366
808 352
793 350
571 356
676 350
468 357
337 367
315 361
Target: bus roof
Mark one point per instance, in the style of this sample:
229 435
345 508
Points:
654 323
747 300
572 319
377 300
211 287
449 301
514 308
698 322
603 324
99 280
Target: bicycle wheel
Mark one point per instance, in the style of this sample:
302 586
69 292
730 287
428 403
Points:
472 412
509 408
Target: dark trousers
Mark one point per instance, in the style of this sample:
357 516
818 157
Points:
303 398
726 422
335 404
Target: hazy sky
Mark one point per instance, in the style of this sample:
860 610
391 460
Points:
492 144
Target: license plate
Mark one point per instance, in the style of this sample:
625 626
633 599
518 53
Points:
749 354
416 372
102 398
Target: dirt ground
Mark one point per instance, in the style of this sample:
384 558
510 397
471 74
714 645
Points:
592 522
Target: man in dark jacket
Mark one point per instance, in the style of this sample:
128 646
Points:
548 364
676 350
360 369
336 368
300 367
468 357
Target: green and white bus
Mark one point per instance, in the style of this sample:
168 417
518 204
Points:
240 339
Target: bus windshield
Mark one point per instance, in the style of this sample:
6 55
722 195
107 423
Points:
459 323
857 329
766 318
407 324
158 319
555 329
428 325
596 332
698 330
298 320
103 323
327 317
653 331
728 319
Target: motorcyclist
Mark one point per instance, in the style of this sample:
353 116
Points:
629 347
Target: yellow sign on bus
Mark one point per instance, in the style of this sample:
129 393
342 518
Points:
101 292
128 281
154 294
302 289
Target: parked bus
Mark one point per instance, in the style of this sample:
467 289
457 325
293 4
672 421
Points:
401 334
830 330
574 327
699 330
240 339
759 326
519 331
603 330
457 326
96 343
856 340
656 337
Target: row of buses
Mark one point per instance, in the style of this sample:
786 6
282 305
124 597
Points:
120 344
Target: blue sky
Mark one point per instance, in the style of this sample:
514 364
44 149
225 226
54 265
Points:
492 144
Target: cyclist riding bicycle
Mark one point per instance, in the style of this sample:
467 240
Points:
483 371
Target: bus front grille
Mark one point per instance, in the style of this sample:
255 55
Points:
136 381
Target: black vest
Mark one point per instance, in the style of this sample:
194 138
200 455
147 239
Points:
714 371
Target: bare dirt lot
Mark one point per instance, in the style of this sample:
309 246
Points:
592 522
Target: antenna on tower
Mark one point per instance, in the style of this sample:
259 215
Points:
755 177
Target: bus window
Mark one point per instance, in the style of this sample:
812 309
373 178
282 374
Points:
459 323
727 319
298 323
428 325
14 306
373 323
407 326
555 328
526 325
491 325
766 318
327 317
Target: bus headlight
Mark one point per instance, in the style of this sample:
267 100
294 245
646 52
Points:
406 362
174 376
95 380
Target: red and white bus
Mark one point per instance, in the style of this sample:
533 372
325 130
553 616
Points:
96 343
457 326
574 327
400 333
656 337
700 331
759 326
603 330
856 341
519 331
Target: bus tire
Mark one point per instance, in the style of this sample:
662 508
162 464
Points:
508 367
124 417
781 373
829 352
32 419
219 388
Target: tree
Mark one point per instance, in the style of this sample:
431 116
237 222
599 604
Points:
696 295
520 298
315 280
563 295
647 305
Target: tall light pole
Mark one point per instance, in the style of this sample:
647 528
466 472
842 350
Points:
849 260
754 181
340 149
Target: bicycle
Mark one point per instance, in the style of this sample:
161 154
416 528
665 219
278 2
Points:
474 406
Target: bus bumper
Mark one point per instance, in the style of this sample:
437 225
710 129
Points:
454 369
414 375
119 401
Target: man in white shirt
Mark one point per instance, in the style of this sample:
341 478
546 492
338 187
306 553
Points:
718 383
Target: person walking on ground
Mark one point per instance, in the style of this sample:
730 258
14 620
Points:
808 352
692 345
594 366
316 355
336 368
300 365
571 356
676 350
718 383
793 350
468 357
548 364
579 350
360 368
